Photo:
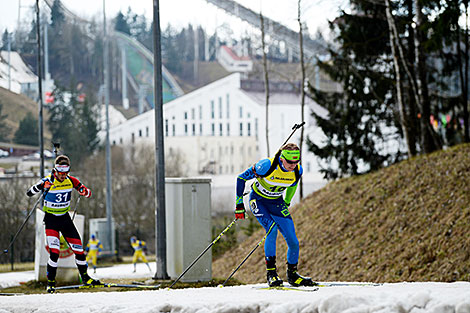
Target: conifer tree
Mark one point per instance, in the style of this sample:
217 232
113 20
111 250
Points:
361 116
27 133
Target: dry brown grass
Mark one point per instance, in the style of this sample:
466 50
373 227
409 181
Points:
16 107
407 222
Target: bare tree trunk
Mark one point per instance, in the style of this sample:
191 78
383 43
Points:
417 91
429 141
465 102
266 80
302 90
411 114
462 76
401 106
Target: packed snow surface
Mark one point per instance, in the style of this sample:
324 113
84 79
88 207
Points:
433 297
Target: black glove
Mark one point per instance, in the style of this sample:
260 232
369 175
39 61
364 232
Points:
240 211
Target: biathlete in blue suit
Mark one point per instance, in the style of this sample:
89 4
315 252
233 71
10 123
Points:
274 177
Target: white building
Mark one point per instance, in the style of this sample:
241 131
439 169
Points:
16 75
232 62
219 129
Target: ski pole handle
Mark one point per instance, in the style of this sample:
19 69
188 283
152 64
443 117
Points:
294 128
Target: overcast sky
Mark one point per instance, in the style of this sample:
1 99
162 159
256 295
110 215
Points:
179 13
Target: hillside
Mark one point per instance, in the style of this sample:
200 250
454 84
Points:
407 222
16 107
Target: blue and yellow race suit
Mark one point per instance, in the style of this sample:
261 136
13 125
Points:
269 206
93 247
139 247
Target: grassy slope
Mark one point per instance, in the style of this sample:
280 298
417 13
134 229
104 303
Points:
407 222
16 107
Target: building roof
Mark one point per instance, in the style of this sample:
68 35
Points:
234 56
20 72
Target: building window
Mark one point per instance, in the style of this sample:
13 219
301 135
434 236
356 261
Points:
186 129
241 129
220 107
193 113
241 112
213 129
132 138
200 112
166 128
200 129
212 109
256 128
120 141
114 142
248 129
194 129
228 105
140 132
220 129
228 129
185 115
173 130
147 130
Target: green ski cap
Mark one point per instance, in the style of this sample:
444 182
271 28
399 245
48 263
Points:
291 155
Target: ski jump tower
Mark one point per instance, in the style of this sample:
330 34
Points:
272 28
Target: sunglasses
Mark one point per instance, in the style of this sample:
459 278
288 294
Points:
292 162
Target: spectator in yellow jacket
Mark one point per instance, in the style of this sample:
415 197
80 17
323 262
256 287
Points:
140 247
93 248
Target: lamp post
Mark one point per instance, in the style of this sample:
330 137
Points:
40 119
109 204
160 223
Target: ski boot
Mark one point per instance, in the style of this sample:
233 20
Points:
295 279
273 279
50 288
271 274
87 280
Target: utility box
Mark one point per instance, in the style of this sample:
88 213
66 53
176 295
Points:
99 227
67 269
188 227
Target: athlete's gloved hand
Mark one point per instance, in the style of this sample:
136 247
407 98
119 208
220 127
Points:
47 185
84 191
240 211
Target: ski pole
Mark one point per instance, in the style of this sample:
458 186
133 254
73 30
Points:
249 254
294 128
22 225
76 206
200 255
